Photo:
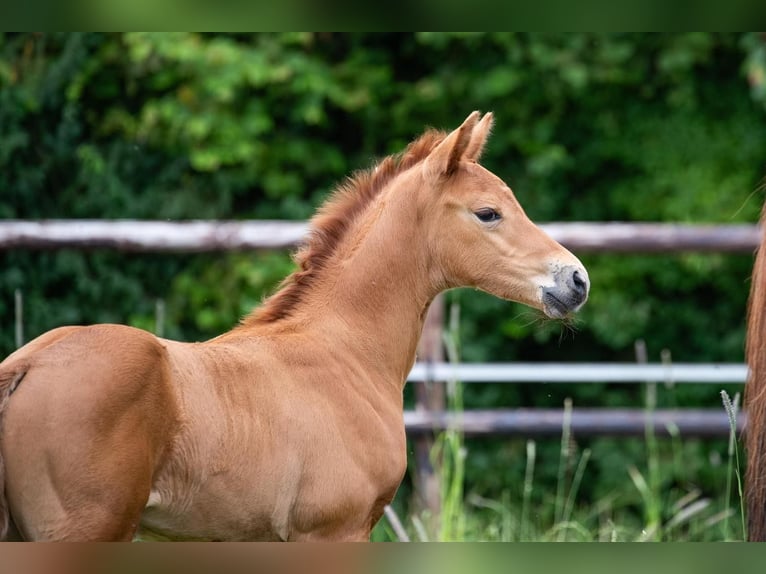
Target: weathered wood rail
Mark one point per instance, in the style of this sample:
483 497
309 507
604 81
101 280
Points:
686 422
199 236
615 237
583 422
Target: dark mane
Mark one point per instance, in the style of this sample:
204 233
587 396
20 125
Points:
332 222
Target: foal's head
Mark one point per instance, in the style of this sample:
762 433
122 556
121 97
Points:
481 237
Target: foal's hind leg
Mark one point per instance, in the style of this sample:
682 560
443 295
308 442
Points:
74 485
80 453
13 534
55 503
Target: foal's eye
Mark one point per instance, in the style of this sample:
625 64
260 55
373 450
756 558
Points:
487 215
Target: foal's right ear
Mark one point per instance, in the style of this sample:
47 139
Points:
445 158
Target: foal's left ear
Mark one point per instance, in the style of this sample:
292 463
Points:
479 138
446 157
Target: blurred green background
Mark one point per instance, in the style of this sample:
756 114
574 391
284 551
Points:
589 127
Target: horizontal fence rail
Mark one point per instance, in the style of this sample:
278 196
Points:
584 422
210 236
151 236
201 236
580 372
704 423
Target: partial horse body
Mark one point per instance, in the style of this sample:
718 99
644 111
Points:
755 397
289 426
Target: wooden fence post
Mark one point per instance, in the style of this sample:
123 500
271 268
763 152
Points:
429 396
18 307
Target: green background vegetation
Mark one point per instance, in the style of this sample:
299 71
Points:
589 127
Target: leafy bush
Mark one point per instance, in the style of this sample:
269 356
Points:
591 127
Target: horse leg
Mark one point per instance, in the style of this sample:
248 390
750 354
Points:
339 530
356 535
92 522
64 487
80 454
13 534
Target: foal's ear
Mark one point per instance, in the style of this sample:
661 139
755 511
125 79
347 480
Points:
479 137
445 158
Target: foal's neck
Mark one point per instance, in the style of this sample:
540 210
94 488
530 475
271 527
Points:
368 303
372 299
375 295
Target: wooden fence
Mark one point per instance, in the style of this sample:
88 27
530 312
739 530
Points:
199 236
429 375
431 372
583 421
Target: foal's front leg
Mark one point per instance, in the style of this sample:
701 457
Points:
362 535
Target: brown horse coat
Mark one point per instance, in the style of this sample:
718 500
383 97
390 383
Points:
755 399
288 427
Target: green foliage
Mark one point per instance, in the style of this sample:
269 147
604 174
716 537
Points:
643 493
590 127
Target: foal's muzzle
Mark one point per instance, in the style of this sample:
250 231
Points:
568 294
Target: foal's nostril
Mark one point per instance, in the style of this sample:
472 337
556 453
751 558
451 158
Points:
580 285
568 293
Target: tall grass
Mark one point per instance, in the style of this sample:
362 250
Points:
449 446
732 410
658 502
